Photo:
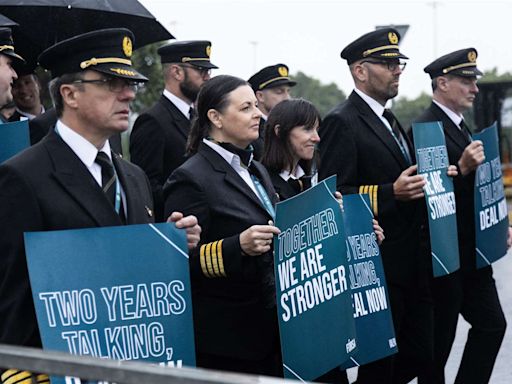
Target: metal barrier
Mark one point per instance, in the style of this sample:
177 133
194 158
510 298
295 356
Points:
121 372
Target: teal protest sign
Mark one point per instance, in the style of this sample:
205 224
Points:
372 312
432 159
116 292
491 213
14 137
313 295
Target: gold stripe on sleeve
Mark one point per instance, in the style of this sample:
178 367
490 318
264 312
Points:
202 261
220 259
208 258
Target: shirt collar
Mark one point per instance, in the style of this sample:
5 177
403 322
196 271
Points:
375 106
230 157
299 172
84 149
182 105
452 115
28 115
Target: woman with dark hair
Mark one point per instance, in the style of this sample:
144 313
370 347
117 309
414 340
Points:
233 288
289 154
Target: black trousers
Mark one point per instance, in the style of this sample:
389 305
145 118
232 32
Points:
473 294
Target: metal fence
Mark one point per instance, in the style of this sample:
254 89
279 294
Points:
120 372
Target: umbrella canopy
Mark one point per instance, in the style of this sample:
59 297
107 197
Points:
43 23
6 22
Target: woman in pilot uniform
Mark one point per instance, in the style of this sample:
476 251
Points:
233 287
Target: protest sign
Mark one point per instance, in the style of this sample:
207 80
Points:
116 292
313 296
432 159
14 137
491 212
371 309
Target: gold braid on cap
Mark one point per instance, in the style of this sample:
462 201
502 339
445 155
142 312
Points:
263 85
185 59
370 51
95 61
449 69
4 47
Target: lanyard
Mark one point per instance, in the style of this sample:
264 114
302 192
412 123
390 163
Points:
262 194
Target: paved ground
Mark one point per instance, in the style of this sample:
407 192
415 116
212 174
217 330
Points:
503 369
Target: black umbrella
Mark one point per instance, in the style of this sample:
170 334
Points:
6 22
42 23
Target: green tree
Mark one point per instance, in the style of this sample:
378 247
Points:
324 97
147 62
406 110
493 75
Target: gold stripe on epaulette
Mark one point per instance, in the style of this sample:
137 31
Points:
262 85
361 188
208 258
17 377
377 49
215 262
95 61
220 258
463 65
375 200
366 187
202 260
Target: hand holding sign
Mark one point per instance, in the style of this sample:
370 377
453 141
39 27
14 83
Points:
409 186
257 239
472 157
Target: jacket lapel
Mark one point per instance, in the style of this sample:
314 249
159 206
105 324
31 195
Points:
182 123
78 182
137 214
379 129
233 178
449 127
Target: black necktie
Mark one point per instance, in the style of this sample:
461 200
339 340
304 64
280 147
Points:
465 131
388 115
108 177
109 181
192 113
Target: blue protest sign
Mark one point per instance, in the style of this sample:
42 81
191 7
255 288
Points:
432 159
115 292
491 213
313 296
14 137
372 312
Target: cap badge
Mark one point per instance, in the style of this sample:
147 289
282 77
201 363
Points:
472 56
393 38
208 50
127 46
282 71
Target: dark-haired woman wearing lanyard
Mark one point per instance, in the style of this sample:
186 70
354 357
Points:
233 289
291 138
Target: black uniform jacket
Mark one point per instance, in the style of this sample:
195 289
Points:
283 189
234 310
357 147
47 187
456 142
157 145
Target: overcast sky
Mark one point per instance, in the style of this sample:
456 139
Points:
309 35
